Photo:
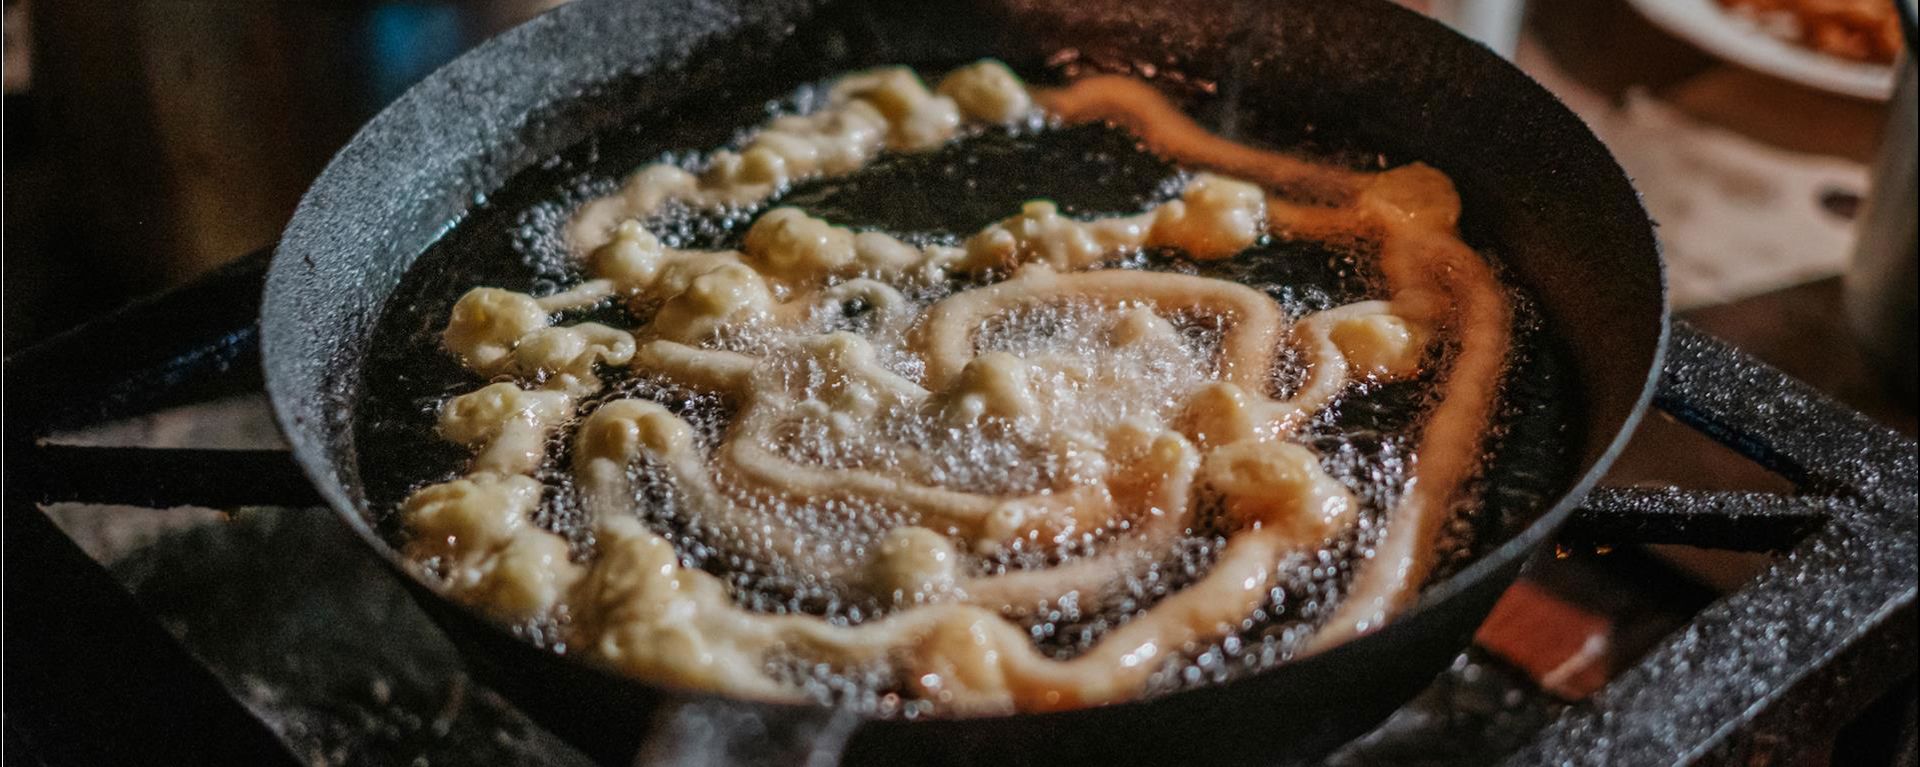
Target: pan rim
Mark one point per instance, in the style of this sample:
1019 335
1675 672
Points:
319 461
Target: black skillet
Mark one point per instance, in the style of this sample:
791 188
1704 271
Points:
1538 188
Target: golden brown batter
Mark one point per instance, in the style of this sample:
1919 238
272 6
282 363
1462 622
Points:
882 458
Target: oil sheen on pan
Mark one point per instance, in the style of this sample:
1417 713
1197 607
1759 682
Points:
967 399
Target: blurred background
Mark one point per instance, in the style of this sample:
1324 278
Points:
150 140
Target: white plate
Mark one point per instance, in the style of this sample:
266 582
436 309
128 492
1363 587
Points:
1737 39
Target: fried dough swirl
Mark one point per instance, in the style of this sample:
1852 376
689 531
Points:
886 436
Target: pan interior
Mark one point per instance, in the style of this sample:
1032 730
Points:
510 240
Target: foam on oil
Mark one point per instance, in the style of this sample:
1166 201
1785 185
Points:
1365 439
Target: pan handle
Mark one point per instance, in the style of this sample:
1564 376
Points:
187 345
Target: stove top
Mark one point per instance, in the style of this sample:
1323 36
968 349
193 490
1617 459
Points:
268 635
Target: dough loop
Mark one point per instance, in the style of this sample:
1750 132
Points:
926 435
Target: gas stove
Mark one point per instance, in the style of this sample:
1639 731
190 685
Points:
267 635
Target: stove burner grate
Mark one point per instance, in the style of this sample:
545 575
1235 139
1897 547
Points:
1765 675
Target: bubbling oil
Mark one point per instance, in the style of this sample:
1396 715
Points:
783 557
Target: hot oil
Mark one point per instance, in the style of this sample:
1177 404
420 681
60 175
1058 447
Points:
1365 439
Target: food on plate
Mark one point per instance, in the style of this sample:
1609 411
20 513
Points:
1860 30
